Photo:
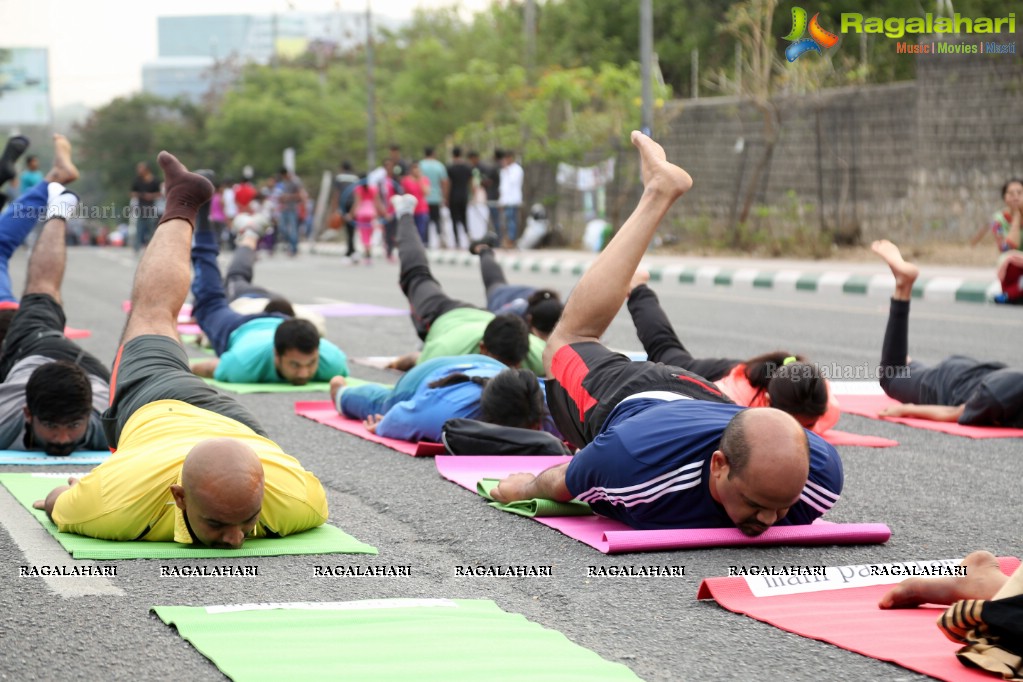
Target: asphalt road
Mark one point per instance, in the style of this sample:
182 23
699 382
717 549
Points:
941 495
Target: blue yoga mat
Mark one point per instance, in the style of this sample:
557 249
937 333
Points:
82 457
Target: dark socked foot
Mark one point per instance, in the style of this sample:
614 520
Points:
186 191
15 147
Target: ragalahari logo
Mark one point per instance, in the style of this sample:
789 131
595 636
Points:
819 38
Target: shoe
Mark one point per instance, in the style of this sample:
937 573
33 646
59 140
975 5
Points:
1001 298
489 240
16 146
403 204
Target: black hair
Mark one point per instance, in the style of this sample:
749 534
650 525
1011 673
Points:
456 152
395 147
276 304
30 158
507 339
1005 187
427 151
511 398
300 335
735 445
473 154
498 154
58 392
346 165
799 389
543 310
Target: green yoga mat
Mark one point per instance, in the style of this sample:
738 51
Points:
427 640
27 488
535 507
241 389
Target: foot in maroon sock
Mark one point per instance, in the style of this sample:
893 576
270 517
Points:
186 191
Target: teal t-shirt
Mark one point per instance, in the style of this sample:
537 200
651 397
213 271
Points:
250 356
437 173
459 332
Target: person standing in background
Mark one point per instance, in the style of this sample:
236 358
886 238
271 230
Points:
437 173
510 198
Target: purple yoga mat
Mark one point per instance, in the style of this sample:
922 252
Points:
355 310
613 537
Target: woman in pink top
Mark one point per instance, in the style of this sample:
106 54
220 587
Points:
417 184
366 208
779 379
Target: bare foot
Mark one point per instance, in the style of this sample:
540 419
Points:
983 579
905 272
660 176
63 171
641 276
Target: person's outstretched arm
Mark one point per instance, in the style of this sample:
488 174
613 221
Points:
937 413
605 285
547 485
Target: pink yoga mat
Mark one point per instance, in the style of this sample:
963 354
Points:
836 437
323 411
869 405
73 333
613 537
850 619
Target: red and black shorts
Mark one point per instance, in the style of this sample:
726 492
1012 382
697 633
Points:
588 381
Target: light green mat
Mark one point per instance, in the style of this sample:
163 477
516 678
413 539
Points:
534 507
426 640
325 539
241 389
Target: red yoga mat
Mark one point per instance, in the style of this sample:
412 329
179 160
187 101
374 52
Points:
323 411
849 618
613 537
869 405
73 333
836 437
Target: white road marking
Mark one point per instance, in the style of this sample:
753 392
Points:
40 549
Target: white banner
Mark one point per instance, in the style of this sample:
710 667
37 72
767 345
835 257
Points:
846 577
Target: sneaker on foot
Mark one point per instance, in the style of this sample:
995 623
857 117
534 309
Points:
489 240
63 205
404 204
1001 298
15 147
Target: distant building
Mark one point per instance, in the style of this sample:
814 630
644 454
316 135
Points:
189 47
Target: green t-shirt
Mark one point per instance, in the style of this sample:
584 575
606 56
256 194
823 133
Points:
459 332
249 358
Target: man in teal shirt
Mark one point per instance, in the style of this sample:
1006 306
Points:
437 173
31 176
263 348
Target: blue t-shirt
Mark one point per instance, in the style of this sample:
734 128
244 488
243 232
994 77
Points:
422 417
249 358
649 467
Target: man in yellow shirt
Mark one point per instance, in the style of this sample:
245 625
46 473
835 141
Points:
190 464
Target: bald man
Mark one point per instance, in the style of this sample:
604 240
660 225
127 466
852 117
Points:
662 447
192 465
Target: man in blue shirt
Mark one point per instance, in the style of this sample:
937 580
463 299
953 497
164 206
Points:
266 347
661 447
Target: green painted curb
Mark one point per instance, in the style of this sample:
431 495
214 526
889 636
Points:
973 292
764 280
724 278
856 284
807 282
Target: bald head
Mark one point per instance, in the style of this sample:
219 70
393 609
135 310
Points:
221 491
761 467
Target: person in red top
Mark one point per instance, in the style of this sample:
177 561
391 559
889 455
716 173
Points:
778 379
416 184
366 208
1006 225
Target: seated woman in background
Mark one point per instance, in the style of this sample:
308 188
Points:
1005 225
429 394
778 379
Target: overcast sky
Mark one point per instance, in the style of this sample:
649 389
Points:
97 47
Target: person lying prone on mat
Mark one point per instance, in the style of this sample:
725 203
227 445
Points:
778 379
449 327
661 447
52 392
957 389
467 386
260 348
191 465
986 613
